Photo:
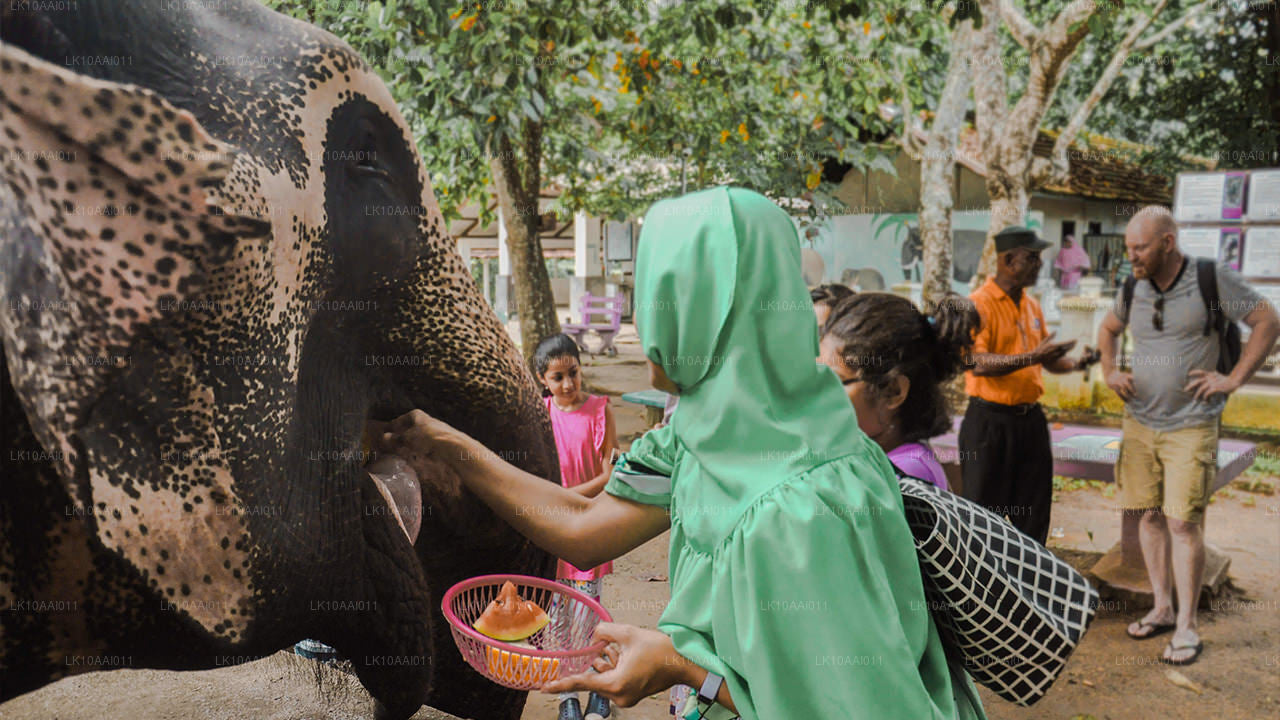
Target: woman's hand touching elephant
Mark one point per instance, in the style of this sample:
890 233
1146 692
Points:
432 448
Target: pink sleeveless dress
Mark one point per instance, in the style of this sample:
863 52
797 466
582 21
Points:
580 444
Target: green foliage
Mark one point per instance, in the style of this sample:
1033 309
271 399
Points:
1210 90
628 94
761 103
1062 483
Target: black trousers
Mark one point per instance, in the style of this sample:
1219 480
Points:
1007 464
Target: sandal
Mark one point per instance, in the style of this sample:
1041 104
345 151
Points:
1148 630
1198 647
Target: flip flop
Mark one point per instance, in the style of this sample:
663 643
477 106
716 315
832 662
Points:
1198 648
1151 630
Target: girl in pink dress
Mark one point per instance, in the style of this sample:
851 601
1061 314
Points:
585 441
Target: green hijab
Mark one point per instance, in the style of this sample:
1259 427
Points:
722 306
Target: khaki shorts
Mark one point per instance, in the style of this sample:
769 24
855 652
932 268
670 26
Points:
1172 470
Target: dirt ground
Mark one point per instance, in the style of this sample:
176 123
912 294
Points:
1110 677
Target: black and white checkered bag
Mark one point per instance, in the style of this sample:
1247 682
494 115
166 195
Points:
1005 606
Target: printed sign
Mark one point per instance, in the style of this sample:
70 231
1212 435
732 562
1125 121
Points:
1262 252
1200 241
1199 197
1264 196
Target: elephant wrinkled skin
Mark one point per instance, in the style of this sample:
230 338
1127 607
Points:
220 257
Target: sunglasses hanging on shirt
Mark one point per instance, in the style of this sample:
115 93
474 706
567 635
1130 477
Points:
1157 315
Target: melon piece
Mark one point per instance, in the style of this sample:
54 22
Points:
510 617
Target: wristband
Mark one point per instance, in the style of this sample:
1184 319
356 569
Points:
710 689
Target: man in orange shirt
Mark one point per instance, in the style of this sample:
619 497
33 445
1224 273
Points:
1006 460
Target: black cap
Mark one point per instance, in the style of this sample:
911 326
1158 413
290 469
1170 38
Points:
1016 236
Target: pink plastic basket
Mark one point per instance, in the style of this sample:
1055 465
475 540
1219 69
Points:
561 648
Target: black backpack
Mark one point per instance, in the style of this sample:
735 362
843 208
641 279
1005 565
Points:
1228 331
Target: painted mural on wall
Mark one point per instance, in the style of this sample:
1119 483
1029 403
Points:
876 252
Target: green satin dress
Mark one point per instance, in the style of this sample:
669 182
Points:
793 573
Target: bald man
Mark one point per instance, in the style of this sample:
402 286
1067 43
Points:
1174 398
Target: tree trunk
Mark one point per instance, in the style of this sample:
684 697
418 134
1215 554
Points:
518 198
938 172
1273 81
1008 136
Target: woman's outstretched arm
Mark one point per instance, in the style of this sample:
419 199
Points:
584 531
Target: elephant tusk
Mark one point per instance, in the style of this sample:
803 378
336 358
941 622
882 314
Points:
399 486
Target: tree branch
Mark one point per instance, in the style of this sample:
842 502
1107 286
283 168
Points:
990 86
1048 62
1060 162
1155 39
1019 26
910 143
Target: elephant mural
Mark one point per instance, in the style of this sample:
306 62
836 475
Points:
966 250
220 259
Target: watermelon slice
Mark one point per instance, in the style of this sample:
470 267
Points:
510 617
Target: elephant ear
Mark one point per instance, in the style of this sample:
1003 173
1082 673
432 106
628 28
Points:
105 228
107 232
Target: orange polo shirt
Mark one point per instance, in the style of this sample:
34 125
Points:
1008 328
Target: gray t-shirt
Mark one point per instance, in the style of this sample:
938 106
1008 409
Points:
1161 361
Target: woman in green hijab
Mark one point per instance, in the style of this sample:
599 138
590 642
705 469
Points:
793 572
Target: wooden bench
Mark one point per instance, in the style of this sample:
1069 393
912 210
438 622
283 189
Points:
608 308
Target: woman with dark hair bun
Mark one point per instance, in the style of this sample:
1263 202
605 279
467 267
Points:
825 297
892 360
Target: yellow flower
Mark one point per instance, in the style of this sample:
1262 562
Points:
596 105
742 130
866 28
812 179
469 22
724 135
678 64
455 15
491 118
806 24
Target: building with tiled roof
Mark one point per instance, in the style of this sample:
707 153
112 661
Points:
1105 186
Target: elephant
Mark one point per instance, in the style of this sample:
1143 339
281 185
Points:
966 253
221 264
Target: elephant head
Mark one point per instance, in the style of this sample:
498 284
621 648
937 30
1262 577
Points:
220 258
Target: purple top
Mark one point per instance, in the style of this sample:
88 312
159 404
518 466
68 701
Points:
917 460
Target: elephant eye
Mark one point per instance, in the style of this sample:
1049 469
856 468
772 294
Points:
366 158
370 169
